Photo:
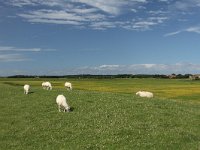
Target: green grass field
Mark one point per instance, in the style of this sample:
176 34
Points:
106 115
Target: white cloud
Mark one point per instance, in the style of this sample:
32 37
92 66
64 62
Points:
75 16
143 24
9 48
195 29
8 53
183 9
22 3
163 0
149 65
109 67
51 15
12 57
95 14
172 33
182 6
178 68
158 12
181 68
101 14
134 10
186 5
114 7
103 25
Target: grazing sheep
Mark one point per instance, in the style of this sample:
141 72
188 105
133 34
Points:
43 85
145 94
26 88
61 101
46 85
68 85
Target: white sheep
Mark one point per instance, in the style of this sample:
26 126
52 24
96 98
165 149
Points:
145 94
26 88
46 85
61 101
68 85
43 85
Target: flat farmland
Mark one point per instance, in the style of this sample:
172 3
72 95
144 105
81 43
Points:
106 114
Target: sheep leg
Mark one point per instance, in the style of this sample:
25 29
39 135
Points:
59 108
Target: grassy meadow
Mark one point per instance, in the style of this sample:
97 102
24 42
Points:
106 114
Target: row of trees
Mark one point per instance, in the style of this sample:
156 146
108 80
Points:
179 76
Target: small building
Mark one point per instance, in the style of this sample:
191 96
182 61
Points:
194 77
172 76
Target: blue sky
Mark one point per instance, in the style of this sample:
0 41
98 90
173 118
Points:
58 37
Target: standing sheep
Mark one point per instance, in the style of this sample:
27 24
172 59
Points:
68 85
61 102
26 88
145 94
46 85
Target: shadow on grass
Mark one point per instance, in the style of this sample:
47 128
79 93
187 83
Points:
29 93
71 109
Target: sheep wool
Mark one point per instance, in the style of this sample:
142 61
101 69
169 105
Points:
62 103
26 88
144 94
68 85
46 85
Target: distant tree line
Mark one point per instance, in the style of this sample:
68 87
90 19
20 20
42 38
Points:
85 76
